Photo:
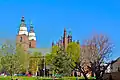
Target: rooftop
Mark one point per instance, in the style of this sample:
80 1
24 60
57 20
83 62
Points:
44 51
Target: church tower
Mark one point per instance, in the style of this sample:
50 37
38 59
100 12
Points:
32 37
22 36
69 37
65 39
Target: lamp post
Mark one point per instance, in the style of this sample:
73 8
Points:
44 65
11 67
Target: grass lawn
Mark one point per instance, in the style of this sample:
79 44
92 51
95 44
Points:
14 78
39 78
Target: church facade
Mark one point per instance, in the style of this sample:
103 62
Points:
65 40
25 37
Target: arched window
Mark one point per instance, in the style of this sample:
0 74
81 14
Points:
30 45
20 39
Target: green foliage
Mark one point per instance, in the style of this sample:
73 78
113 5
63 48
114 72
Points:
55 49
61 63
50 56
34 61
73 51
13 59
23 57
9 61
11 64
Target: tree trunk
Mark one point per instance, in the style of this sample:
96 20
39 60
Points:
85 76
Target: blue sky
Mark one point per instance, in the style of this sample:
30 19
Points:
49 17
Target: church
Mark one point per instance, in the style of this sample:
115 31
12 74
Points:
27 38
65 40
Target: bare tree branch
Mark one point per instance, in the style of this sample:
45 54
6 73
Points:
98 48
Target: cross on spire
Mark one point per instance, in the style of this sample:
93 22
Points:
22 20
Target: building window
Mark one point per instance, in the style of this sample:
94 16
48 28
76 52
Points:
20 39
30 45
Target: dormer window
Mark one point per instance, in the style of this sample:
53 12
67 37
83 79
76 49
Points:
20 39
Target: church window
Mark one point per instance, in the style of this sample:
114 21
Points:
30 44
20 39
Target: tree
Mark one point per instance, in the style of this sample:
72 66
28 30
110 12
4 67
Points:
99 48
13 58
49 57
34 62
64 61
23 57
61 63
73 51
11 64
33 66
9 60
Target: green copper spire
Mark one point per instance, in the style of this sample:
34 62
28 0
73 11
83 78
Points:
70 33
31 25
22 24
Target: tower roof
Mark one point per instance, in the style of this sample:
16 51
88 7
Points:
52 43
78 42
22 20
64 29
22 28
70 33
31 27
65 33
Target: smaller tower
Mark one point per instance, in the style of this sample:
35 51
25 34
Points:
78 42
52 43
61 41
65 39
70 37
32 37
